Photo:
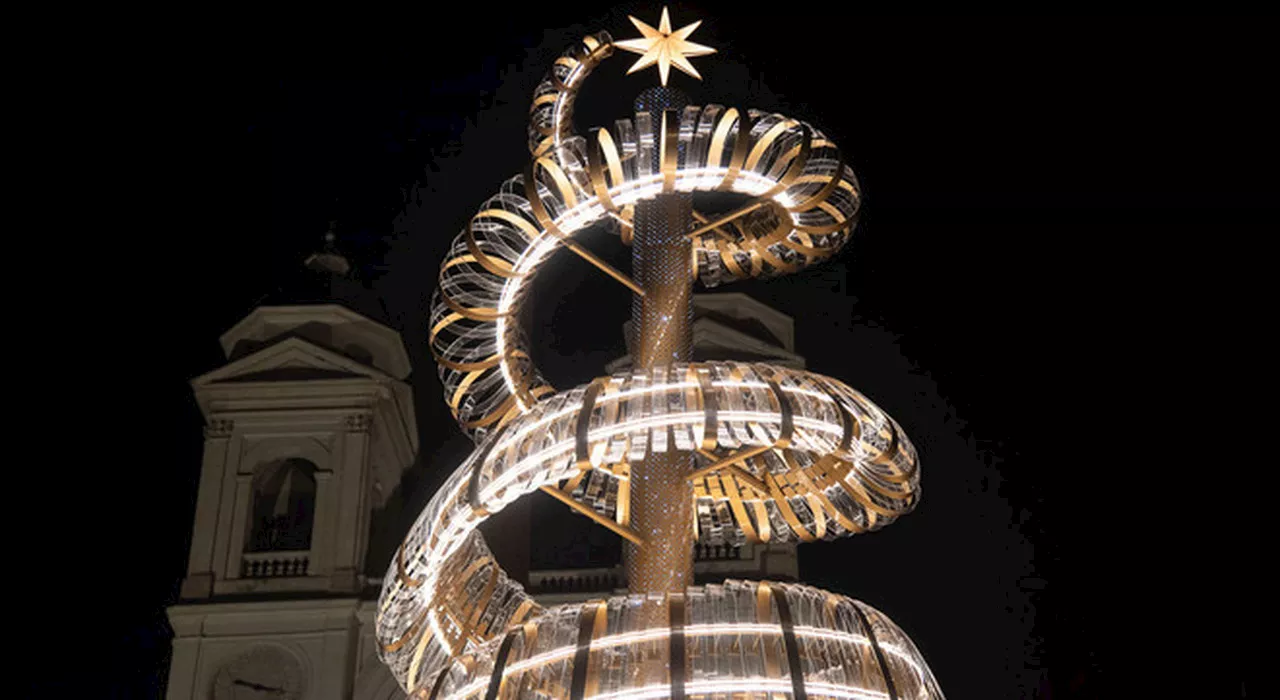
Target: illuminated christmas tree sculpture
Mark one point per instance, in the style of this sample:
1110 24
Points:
667 454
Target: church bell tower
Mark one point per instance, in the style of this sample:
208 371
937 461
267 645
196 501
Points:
309 426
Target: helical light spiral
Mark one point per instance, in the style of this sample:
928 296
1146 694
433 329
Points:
785 455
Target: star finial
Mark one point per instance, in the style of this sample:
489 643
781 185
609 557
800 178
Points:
664 47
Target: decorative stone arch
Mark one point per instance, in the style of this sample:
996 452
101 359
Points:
375 682
282 506
269 451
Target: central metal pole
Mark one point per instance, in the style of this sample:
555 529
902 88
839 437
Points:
662 265
661 500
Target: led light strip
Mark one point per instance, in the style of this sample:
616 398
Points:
484 364
839 655
662 633
832 425
746 685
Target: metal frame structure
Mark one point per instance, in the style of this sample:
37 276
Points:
666 454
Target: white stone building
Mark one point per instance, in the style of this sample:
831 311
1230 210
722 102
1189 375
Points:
310 427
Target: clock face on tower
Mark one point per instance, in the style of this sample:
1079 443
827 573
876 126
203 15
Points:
263 673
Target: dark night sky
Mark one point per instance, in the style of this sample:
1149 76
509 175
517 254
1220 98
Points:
1025 180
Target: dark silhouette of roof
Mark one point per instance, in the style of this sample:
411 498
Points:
750 326
327 276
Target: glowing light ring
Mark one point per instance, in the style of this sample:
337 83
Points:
551 112
483 362
843 466
482 356
734 637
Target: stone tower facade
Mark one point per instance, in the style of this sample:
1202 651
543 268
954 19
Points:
310 425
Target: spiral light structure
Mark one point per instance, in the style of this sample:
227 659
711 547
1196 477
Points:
763 453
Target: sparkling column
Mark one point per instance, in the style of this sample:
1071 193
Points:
662 264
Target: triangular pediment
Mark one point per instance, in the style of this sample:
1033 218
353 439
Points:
739 308
714 340
708 335
291 359
331 325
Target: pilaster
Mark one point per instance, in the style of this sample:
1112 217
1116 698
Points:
183 667
324 531
353 500
226 507
200 563
243 496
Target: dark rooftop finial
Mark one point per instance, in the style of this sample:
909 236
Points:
329 259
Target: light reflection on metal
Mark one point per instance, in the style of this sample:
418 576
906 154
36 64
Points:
771 454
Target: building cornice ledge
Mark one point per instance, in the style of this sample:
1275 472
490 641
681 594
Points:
226 618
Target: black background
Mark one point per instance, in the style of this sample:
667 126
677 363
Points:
1043 198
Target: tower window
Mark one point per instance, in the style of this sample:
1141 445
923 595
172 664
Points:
284 499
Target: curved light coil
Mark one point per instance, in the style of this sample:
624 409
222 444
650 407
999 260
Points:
784 455
739 639
800 455
551 112
807 200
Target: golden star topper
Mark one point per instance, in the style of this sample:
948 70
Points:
664 47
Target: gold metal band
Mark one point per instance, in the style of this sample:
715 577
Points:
500 663
890 687
568 500
740 145
582 451
473 482
677 658
544 219
401 574
707 397
669 153
789 643
764 615
788 425
440 679
726 218
739 456
590 624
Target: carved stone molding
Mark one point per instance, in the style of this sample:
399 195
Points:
219 427
359 422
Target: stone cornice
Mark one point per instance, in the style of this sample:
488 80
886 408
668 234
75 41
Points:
741 305
317 615
252 327
289 353
709 333
355 392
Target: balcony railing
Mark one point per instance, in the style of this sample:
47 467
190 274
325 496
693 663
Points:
711 562
716 552
274 564
576 580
